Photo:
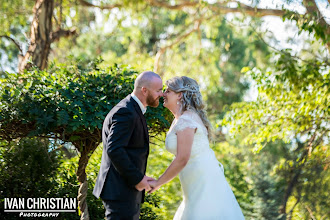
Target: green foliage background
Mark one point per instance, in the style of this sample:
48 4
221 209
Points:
273 141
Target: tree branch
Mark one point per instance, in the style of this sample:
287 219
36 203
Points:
289 189
243 8
326 63
55 36
310 212
221 7
290 212
14 41
162 50
109 7
312 9
163 4
218 7
67 153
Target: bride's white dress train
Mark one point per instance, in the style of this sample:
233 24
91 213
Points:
206 193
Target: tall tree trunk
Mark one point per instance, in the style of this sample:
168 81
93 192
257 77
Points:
40 38
86 148
289 190
83 188
295 177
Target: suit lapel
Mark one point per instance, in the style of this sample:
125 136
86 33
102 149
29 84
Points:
142 118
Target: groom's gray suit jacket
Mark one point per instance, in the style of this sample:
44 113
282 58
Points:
125 152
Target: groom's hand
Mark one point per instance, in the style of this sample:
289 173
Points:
144 184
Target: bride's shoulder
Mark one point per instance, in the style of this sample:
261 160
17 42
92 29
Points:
189 114
189 117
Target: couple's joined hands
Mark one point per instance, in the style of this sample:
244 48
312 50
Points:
154 186
147 183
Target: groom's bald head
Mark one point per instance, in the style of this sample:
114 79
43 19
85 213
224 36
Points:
145 79
148 87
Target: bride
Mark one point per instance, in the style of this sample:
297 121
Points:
206 193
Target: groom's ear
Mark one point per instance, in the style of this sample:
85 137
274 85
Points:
144 90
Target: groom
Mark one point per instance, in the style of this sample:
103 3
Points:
121 182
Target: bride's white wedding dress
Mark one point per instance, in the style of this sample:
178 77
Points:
206 193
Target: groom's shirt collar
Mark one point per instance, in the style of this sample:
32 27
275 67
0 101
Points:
143 109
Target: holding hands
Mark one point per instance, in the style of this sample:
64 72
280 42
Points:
144 184
154 185
148 184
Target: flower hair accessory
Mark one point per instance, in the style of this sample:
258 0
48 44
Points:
192 88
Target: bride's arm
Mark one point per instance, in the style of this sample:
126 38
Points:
184 143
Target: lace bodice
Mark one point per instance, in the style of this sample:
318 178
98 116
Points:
188 119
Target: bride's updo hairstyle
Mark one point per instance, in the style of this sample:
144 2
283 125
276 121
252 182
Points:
191 97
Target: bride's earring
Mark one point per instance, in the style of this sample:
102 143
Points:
178 102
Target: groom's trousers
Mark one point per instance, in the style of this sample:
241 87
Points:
118 210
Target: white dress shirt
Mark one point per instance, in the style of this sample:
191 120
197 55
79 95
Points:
143 109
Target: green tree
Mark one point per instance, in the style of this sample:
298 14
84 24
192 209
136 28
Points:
292 106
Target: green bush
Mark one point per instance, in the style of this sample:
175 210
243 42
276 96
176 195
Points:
27 169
